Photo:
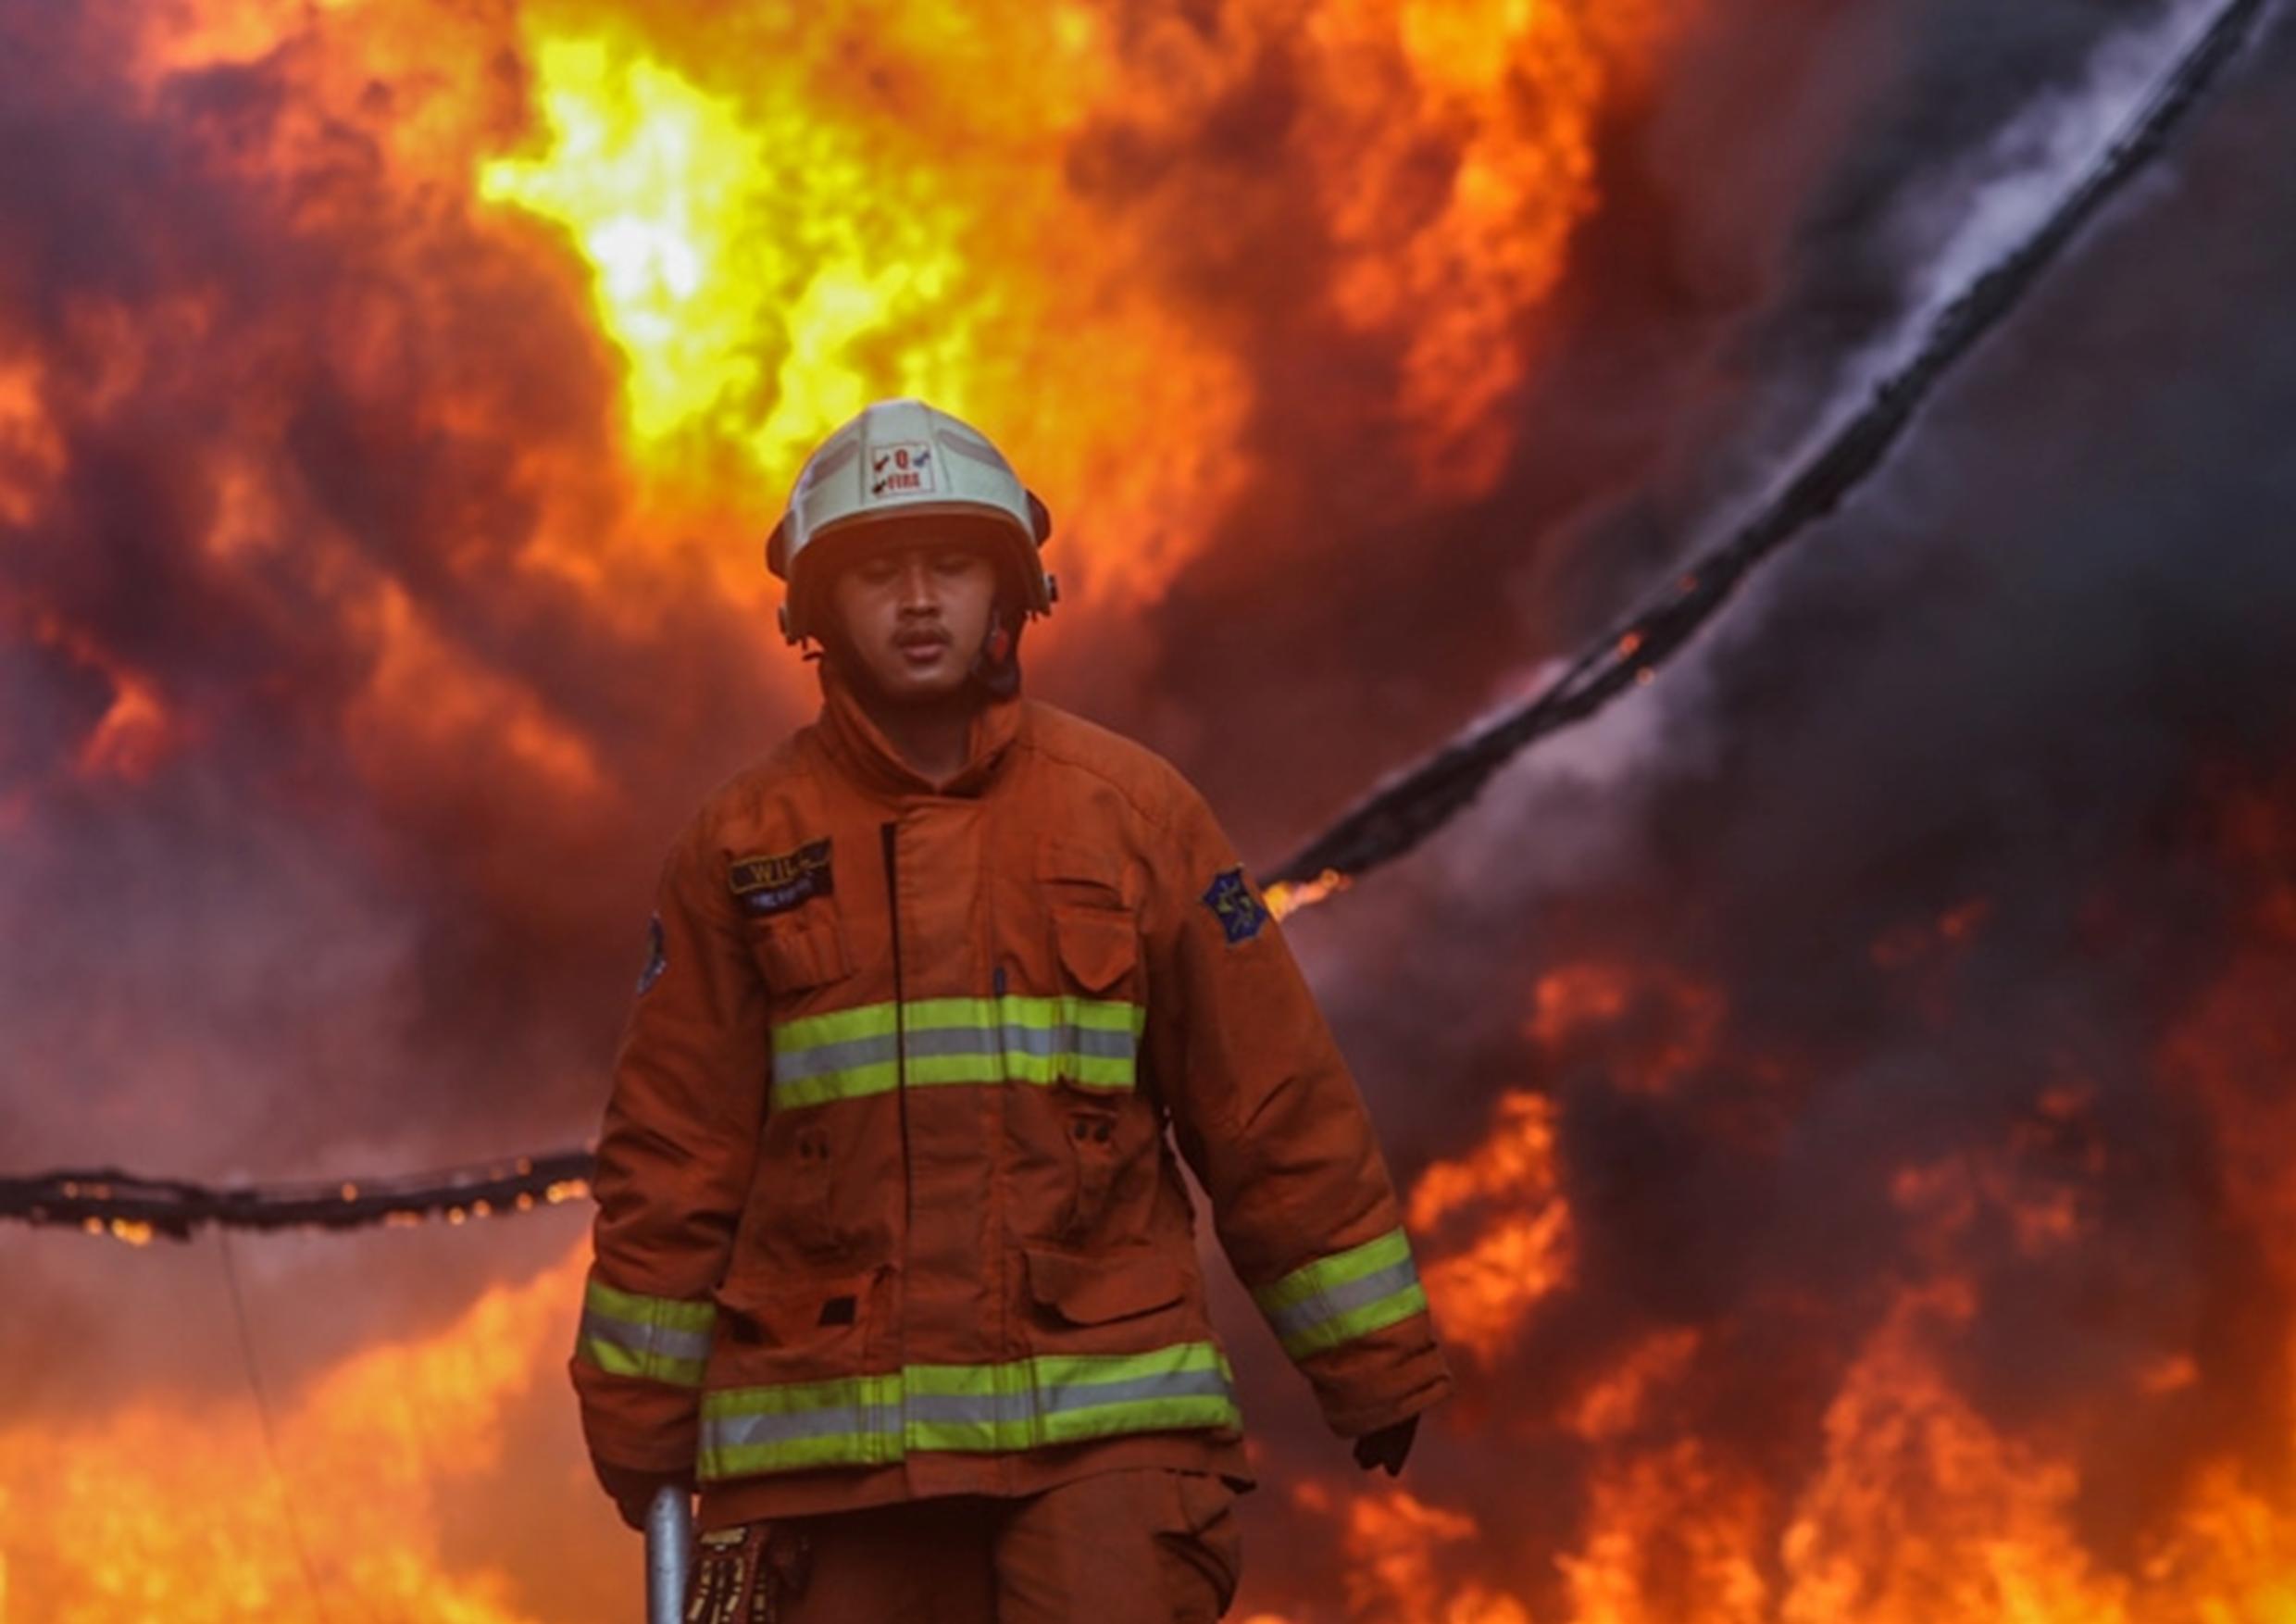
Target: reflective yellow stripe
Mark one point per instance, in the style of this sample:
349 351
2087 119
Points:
849 1054
1013 1009
1348 1295
999 1409
657 1338
855 1420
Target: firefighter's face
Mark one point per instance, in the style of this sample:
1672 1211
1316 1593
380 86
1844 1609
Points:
915 609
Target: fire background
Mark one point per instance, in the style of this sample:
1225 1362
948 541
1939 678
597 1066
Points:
1845 1092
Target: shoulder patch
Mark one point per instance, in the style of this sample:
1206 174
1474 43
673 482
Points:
657 956
1233 904
777 884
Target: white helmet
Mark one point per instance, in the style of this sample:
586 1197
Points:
902 459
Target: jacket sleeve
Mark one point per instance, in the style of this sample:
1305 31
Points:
1265 1112
675 1156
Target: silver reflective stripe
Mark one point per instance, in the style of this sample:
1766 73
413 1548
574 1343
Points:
665 1341
1333 1301
1071 1040
796 1065
1010 1406
736 1432
1087 1395
856 1053
654 1339
988 1409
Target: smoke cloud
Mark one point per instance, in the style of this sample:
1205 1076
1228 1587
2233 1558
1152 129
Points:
1878 1007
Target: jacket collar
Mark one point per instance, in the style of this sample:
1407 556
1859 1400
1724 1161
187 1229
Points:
860 747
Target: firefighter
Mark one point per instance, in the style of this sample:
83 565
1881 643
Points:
894 1261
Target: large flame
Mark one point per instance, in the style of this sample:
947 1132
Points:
781 225
550 300
784 221
1515 1245
553 299
173 1506
780 221
1905 1502
1088 228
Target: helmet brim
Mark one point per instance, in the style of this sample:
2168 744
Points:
831 548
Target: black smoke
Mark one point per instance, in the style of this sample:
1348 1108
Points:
2017 670
2021 680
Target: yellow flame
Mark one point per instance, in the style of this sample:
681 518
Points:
162 1509
1483 1291
771 251
737 271
887 208
1285 898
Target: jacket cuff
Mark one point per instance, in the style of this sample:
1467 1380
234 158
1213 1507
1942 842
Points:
637 1425
1356 1401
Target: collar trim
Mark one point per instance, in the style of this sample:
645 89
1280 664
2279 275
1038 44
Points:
860 746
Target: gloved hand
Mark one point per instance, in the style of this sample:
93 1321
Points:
1389 1446
632 1491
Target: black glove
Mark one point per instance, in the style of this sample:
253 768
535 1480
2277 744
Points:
633 1490
1389 1446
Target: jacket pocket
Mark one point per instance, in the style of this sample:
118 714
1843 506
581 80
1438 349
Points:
1099 949
1100 1289
793 1325
799 953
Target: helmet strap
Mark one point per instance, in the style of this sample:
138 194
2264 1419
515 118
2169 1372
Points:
996 664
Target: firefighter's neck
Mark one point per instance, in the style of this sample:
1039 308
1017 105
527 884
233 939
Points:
934 735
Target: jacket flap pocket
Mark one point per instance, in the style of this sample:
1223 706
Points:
1098 946
1095 1290
1094 866
804 1312
797 955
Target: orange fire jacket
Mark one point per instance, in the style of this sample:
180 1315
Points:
887 1203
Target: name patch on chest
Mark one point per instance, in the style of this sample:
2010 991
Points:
777 884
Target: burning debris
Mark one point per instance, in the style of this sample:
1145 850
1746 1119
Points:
107 1201
1413 803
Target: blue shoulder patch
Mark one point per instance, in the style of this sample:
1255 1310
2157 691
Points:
1239 912
657 957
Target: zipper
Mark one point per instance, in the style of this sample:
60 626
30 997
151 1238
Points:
900 1038
892 907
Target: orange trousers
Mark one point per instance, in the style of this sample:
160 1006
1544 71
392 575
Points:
1137 1546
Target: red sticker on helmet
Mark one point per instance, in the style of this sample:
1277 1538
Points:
903 468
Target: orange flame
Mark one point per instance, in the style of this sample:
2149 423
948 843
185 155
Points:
778 220
31 455
1651 1025
1483 1291
159 1509
764 220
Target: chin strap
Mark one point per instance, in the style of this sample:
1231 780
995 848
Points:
996 664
